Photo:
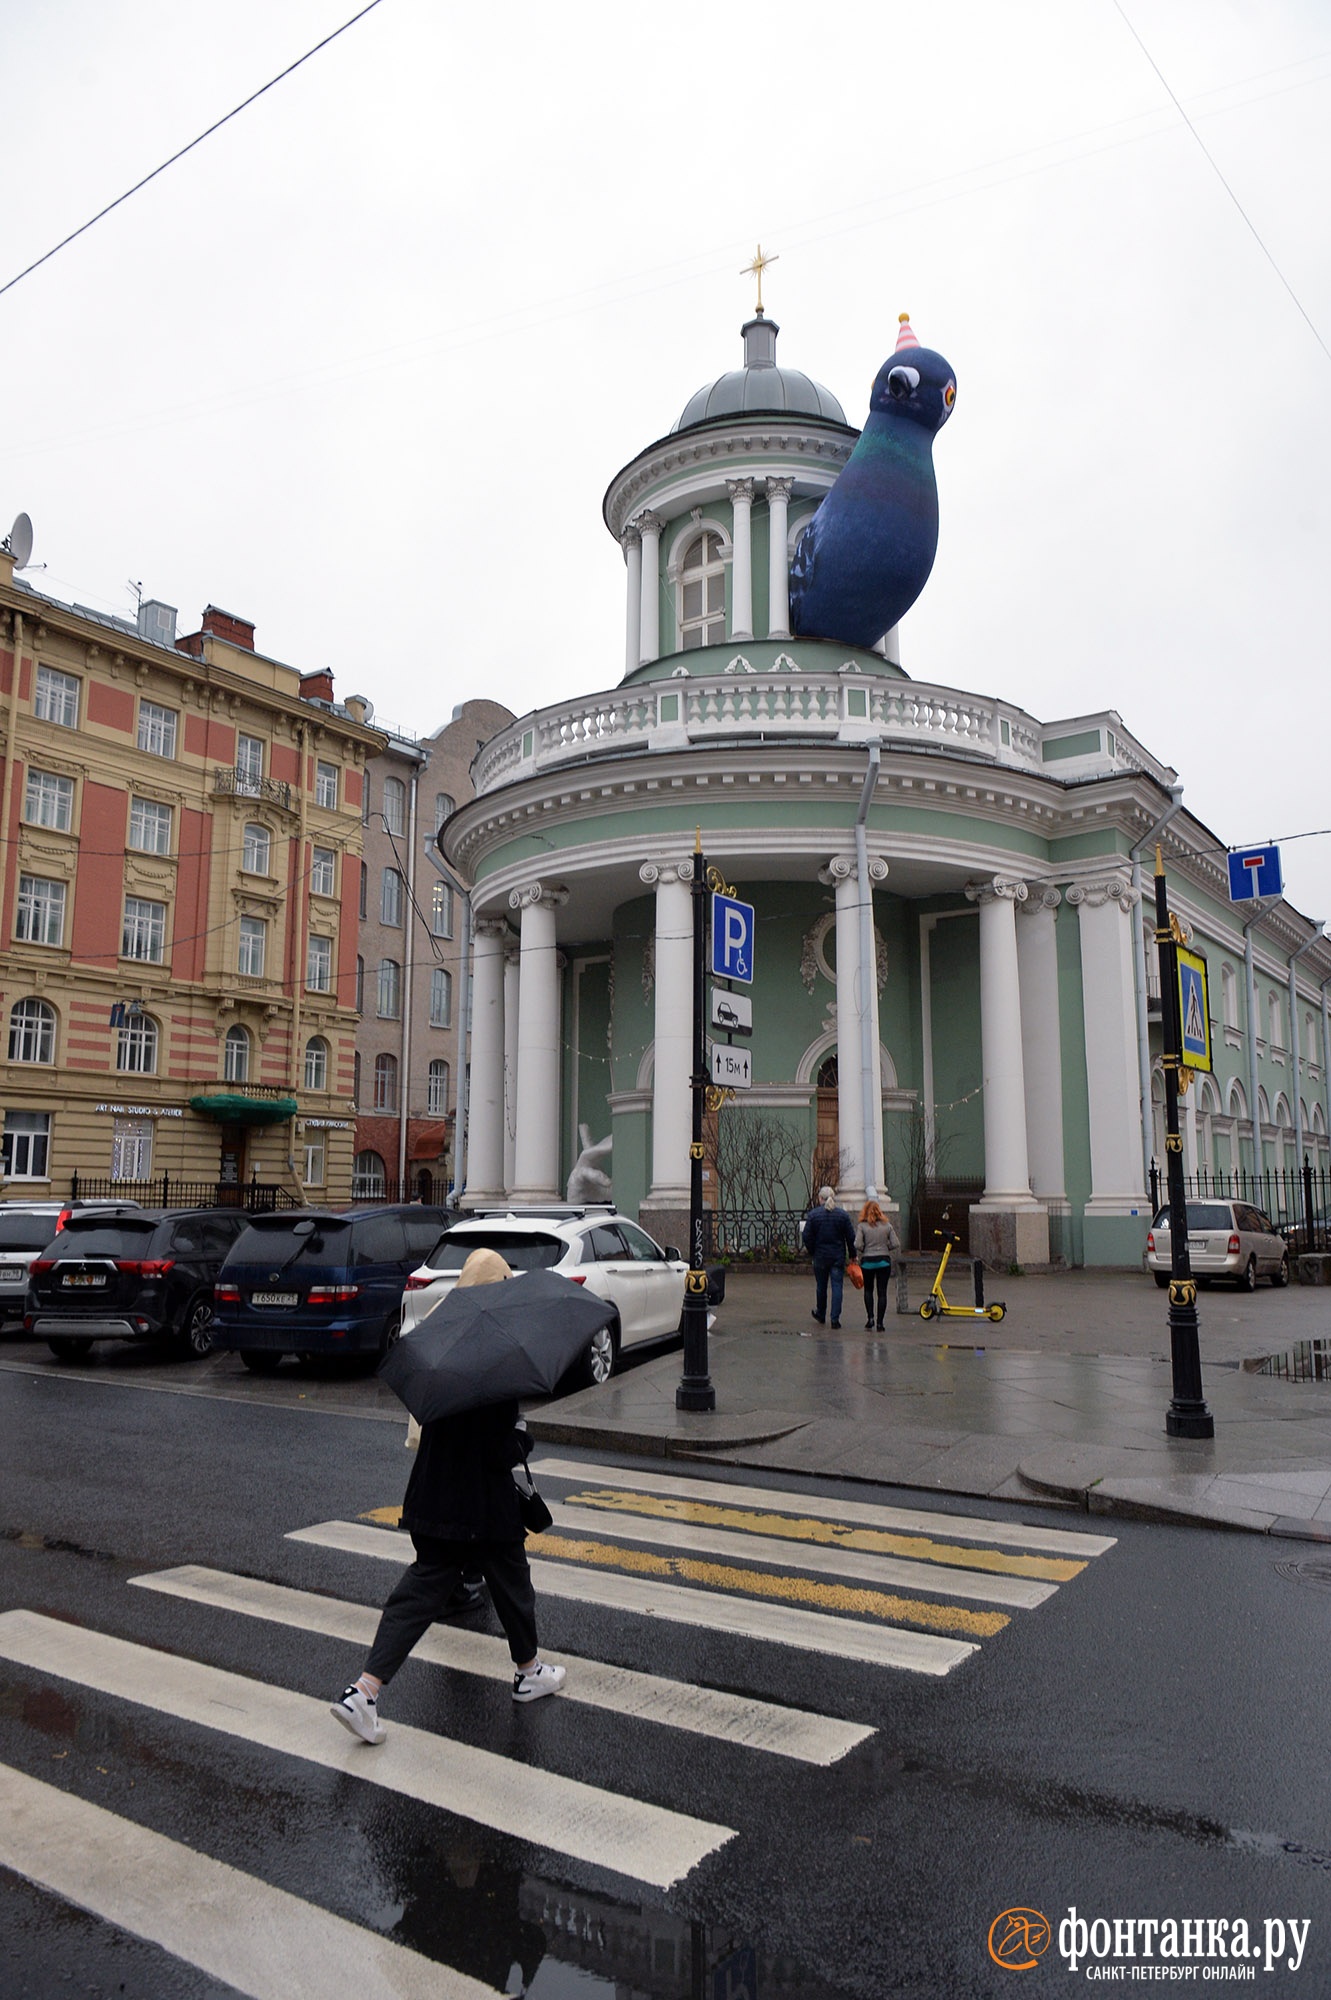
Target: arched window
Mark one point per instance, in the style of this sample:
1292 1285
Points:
702 594
444 808
355 1080
316 1063
369 1182
137 1047
441 910
360 985
395 805
390 897
437 1100
1229 997
255 848
236 1055
385 1083
31 1032
441 997
1275 1021
390 989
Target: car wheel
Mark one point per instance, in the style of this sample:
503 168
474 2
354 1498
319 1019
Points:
390 1336
70 1350
260 1362
195 1332
1161 1279
598 1363
1281 1275
1248 1277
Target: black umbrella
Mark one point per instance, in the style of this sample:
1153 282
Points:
491 1343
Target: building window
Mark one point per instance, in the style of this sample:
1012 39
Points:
255 848
444 808
316 1063
441 997
314 1163
369 1182
385 1083
437 1093
360 985
236 1055
365 800
144 933
390 989
249 766
49 801
702 594
25 1148
319 964
31 1032
137 1047
41 910
323 869
395 805
325 785
441 910
1229 997
364 890
57 698
131 1149
390 897
149 826
253 945
1275 1022
157 729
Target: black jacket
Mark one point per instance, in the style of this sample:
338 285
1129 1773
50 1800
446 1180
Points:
829 1233
461 1487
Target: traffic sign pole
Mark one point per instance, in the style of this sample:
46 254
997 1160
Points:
695 1390
1187 1415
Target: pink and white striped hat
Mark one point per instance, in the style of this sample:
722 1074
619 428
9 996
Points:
905 338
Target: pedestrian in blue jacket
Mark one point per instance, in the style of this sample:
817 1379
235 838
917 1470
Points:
829 1238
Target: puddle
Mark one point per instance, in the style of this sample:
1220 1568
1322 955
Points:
1306 1361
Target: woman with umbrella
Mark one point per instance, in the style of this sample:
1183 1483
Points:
462 1510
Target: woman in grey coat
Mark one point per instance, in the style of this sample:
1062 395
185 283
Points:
875 1242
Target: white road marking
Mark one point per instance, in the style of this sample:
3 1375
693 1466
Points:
710 1712
817 1557
856 1513
238 1929
711 1610
648 1843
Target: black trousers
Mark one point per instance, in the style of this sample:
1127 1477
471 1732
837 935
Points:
426 1587
875 1281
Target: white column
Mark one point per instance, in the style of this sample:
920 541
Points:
741 568
536 1152
1006 1162
778 561
512 980
1104 912
649 528
1187 1110
631 541
485 1102
1041 1042
672 1058
840 872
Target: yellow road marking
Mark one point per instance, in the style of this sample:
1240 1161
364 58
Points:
387 1517
792 1589
788 1527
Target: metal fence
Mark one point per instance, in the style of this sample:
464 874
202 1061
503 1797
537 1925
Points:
759 1235
1297 1199
165 1191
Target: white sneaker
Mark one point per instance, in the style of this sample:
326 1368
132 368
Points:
360 1715
538 1680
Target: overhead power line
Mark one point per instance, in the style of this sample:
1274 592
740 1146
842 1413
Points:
215 127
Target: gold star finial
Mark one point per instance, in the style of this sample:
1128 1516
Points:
756 269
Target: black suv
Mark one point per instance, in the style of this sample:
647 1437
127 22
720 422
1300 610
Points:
145 1275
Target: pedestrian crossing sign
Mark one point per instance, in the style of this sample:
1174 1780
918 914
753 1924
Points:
1194 1011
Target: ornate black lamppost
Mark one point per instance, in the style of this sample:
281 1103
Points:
1187 1415
696 1390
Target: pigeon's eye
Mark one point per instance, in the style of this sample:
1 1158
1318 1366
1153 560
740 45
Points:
949 395
902 382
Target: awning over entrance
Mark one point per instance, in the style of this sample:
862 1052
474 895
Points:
234 1107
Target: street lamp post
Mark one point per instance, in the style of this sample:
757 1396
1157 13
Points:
695 1390
1187 1415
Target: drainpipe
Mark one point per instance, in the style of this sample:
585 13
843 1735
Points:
1250 985
1139 979
464 1018
1326 1052
301 889
1316 938
408 991
11 753
872 1115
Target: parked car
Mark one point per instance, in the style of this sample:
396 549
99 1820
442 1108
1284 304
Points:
141 1274
320 1282
1226 1239
595 1247
26 1227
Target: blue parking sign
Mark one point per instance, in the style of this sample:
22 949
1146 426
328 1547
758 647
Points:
732 939
1254 872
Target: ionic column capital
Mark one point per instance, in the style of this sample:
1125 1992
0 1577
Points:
1002 889
668 869
841 868
1110 889
532 894
1042 896
492 927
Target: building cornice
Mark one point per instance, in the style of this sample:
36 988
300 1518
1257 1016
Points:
792 445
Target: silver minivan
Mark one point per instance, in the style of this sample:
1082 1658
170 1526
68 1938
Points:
1226 1239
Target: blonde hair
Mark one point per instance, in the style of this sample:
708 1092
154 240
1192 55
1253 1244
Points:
484 1267
872 1213
827 1196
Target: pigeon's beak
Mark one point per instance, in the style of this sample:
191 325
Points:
902 381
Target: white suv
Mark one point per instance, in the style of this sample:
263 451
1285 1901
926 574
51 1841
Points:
596 1247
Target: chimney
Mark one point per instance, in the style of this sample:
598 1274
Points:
317 686
222 625
157 621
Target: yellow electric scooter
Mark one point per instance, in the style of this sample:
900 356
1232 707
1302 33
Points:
936 1305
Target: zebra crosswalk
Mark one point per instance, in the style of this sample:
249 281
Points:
855 1583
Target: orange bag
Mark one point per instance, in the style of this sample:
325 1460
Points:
855 1274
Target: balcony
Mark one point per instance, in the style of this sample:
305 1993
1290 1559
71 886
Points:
229 782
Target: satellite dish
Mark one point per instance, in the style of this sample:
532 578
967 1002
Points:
20 541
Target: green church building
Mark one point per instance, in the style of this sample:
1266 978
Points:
955 965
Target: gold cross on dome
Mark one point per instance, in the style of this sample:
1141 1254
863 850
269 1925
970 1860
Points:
756 269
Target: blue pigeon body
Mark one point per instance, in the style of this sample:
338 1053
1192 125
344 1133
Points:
867 553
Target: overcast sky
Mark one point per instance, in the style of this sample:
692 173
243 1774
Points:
361 367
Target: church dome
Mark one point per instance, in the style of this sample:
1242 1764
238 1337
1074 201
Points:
759 387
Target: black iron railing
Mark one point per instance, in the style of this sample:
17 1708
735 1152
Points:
1297 1199
170 1191
753 1234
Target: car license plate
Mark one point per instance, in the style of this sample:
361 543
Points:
13 1274
85 1278
1199 1243
274 1298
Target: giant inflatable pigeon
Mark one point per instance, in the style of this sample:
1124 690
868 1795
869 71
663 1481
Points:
866 554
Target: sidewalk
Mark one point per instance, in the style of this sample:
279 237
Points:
1062 1402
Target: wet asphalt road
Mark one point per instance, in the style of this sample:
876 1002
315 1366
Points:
1146 1743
